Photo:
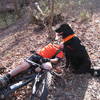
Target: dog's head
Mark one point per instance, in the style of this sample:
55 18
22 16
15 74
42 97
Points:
64 30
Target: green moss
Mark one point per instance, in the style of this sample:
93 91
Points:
84 15
6 19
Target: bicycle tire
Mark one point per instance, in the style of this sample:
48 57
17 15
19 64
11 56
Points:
49 81
11 88
41 94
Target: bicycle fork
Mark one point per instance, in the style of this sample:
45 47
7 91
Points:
44 90
34 86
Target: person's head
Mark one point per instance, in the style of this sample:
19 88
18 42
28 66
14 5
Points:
64 30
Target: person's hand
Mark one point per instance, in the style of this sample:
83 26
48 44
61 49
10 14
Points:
38 69
54 60
47 66
61 45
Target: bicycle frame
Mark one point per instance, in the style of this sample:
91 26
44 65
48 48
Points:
36 78
44 91
12 88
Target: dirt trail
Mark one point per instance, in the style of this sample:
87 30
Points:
17 46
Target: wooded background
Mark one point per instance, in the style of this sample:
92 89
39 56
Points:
36 11
25 25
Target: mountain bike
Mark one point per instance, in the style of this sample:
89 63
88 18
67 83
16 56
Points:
40 82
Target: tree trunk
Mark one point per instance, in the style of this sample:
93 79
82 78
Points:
50 31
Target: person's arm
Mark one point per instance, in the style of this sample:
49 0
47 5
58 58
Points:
58 57
55 60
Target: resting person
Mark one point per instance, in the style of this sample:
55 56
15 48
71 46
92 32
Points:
75 52
49 54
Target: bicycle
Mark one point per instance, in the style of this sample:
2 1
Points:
39 82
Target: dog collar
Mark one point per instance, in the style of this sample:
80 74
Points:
68 38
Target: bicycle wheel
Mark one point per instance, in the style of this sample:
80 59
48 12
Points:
48 85
49 79
5 96
43 88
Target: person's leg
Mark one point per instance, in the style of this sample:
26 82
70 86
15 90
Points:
4 80
22 67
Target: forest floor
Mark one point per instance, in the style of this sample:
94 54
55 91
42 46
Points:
15 47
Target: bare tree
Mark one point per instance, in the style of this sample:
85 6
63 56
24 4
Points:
51 15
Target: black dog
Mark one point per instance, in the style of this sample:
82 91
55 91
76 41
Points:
75 52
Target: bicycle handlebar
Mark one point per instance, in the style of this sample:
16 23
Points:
33 63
